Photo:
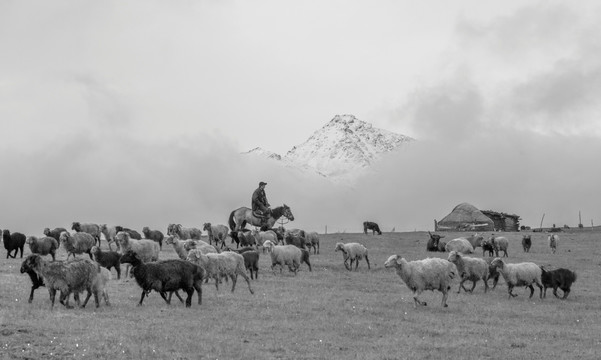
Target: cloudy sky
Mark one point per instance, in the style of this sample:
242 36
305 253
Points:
135 112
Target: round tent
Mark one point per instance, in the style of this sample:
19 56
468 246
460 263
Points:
465 217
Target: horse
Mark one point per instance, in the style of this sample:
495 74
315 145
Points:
368 225
239 217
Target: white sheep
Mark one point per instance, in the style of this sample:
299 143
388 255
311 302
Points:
461 245
178 246
520 274
553 240
288 255
427 274
352 252
499 243
262 236
217 265
217 233
147 250
193 244
77 243
472 269
109 234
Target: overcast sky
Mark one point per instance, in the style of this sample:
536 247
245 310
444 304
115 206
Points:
135 112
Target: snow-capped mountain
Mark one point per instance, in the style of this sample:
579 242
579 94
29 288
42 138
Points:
340 149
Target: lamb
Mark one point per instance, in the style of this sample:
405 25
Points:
354 252
77 243
184 233
251 260
289 255
107 259
553 240
14 241
36 280
521 274
217 233
461 245
526 243
166 276
92 229
499 244
472 269
109 234
43 246
69 276
313 242
427 274
558 278
148 250
55 233
154 235
217 265
178 246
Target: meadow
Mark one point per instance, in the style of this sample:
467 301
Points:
328 313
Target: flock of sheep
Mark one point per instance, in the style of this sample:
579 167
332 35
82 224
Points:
200 261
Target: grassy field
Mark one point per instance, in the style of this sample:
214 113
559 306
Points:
329 313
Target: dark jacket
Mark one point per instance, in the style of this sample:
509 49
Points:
259 200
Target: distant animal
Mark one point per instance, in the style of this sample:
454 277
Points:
526 243
184 233
14 241
217 233
461 245
558 278
92 229
352 252
499 243
369 225
241 216
77 243
553 240
155 235
55 233
433 241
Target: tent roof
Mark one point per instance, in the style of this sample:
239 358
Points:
465 213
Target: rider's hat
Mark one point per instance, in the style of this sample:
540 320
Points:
262 183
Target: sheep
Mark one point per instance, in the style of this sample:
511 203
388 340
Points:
201 245
526 243
487 246
69 276
313 242
427 274
178 246
354 252
461 245
99 287
14 241
243 237
520 274
55 233
43 246
148 250
217 233
475 240
155 235
109 234
442 243
108 259
251 260
433 241
77 243
295 238
289 255
558 278
184 233
493 273
217 265
499 244
262 236
92 229
553 239
472 269
305 258
36 280
133 234
165 276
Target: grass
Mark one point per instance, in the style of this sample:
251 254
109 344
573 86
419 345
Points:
329 313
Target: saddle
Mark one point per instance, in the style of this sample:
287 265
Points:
261 216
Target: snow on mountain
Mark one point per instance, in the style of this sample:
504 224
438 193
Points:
341 149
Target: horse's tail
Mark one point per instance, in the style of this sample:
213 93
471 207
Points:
231 221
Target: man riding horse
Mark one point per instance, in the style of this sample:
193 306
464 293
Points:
260 206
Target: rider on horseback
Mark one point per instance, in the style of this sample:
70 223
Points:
260 206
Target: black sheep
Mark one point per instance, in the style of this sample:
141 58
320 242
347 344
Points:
488 246
155 235
295 239
107 259
251 260
166 276
55 233
14 241
526 243
558 278
433 241
36 280
305 258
